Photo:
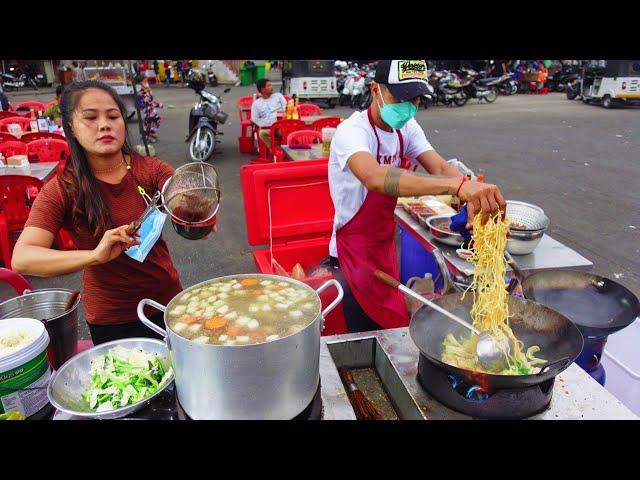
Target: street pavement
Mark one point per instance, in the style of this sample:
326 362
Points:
578 162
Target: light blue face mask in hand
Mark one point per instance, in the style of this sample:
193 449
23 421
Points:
396 115
150 232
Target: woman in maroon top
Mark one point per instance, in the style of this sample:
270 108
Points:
96 198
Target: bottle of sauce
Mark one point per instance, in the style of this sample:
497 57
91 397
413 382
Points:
33 124
43 122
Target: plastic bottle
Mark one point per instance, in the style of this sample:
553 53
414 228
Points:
43 122
481 177
33 124
295 115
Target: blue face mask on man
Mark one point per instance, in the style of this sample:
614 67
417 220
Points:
396 115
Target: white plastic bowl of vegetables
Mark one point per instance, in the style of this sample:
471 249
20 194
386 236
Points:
113 379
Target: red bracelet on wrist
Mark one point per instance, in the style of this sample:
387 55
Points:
464 179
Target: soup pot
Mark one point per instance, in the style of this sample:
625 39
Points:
274 380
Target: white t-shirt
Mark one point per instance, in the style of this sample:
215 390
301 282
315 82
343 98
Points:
356 135
263 112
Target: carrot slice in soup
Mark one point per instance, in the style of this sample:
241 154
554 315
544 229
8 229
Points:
234 330
189 319
249 282
215 323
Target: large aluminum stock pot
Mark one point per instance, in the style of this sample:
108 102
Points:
275 380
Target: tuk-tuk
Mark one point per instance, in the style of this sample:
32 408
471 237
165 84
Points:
310 80
611 82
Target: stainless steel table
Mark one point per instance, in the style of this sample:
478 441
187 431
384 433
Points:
576 396
42 170
549 254
393 355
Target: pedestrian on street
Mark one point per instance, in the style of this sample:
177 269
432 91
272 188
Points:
149 108
78 72
168 71
156 69
180 70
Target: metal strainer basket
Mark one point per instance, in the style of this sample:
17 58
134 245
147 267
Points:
526 217
192 194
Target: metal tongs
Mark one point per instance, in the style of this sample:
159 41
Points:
136 224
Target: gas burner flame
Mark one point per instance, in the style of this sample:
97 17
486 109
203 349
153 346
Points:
469 391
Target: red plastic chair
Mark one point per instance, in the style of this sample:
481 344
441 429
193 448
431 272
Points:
7 115
24 122
11 109
329 122
17 193
31 136
309 109
33 104
7 137
304 137
280 131
11 148
15 203
48 150
244 106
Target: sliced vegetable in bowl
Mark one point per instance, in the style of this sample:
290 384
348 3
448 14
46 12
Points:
124 377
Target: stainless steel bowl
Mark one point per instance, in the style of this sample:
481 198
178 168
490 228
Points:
523 242
67 384
435 225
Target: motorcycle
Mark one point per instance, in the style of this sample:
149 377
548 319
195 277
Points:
347 90
428 98
204 119
507 85
561 79
574 88
13 82
474 87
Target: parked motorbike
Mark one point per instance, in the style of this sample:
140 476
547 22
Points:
563 77
204 119
474 87
507 85
13 82
428 98
574 88
211 77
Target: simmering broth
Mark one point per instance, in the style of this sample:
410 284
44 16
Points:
243 310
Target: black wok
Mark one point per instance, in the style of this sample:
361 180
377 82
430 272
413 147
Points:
598 306
559 339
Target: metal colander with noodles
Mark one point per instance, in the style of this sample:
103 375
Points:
490 311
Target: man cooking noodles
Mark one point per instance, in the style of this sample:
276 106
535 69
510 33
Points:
373 157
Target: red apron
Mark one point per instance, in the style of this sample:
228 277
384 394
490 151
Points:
367 243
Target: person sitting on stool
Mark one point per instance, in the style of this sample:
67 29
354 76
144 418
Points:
264 109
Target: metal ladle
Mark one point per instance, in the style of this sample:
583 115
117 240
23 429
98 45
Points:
488 349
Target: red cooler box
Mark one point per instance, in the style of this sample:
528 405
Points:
288 206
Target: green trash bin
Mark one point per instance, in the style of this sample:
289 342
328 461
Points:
259 72
245 77
252 73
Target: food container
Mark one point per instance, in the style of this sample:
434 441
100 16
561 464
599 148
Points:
48 304
327 137
73 378
528 224
437 225
25 372
274 380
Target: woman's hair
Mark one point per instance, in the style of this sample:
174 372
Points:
82 186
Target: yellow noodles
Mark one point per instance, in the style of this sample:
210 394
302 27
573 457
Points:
490 310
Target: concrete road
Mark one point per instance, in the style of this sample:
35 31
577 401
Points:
578 162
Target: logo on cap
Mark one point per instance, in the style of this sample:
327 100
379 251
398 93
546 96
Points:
412 69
